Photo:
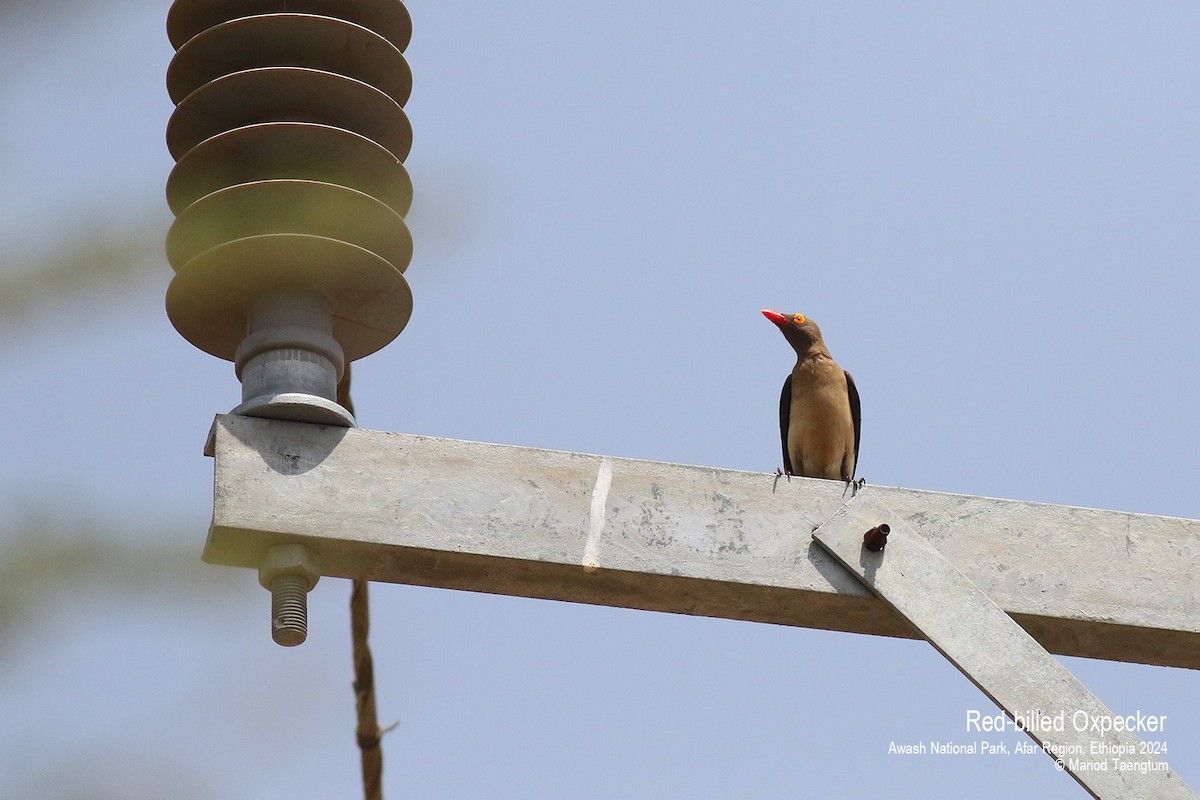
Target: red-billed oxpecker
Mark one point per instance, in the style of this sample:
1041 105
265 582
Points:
819 414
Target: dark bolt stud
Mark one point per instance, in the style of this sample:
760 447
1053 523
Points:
875 539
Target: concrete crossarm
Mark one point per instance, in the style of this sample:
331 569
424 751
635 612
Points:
692 540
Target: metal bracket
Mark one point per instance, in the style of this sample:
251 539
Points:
997 655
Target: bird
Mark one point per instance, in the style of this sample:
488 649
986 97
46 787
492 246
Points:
820 417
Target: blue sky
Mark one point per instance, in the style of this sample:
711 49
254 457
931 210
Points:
989 208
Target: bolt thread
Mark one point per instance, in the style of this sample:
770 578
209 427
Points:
289 609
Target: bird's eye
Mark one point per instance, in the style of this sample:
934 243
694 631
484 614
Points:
798 319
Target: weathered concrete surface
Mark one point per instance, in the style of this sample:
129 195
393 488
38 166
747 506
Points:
692 540
1004 661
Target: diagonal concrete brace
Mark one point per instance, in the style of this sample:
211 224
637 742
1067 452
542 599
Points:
998 656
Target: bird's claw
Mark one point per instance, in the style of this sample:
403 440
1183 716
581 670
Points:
853 486
779 473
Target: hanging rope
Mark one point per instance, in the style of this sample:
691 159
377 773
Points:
368 732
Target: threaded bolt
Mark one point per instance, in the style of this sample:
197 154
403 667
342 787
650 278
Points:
289 609
289 571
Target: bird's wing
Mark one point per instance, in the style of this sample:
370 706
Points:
855 413
785 411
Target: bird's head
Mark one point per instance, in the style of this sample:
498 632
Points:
800 331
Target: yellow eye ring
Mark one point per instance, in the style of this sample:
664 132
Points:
798 319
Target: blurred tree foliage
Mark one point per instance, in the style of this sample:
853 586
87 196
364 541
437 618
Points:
103 257
48 554
44 548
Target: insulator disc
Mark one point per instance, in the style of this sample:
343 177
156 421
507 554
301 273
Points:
289 206
388 18
209 296
288 94
290 40
281 150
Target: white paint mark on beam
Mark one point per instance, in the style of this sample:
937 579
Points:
591 549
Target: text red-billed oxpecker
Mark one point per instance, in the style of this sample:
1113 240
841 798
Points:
819 414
